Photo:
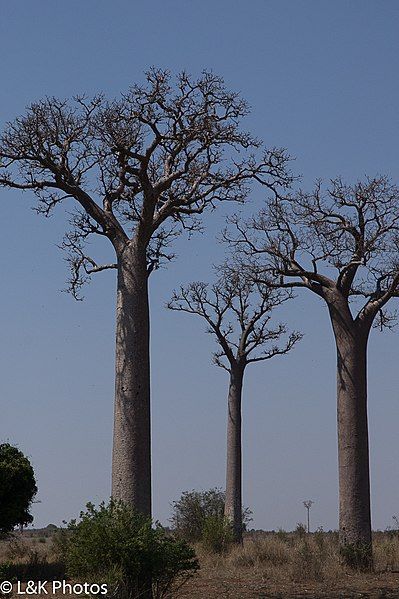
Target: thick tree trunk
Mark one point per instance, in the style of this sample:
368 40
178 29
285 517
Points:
131 465
353 444
233 505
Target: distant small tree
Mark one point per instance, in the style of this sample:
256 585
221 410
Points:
17 488
199 516
308 504
238 313
191 510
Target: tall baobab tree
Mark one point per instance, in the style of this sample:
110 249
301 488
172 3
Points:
238 313
137 171
341 243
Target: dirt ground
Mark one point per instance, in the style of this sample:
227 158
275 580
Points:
202 587
357 587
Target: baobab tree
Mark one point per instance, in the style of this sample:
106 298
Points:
308 504
341 243
239 315
137 171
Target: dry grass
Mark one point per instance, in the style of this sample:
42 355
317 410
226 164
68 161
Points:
286 565
20 549
268 565
30 558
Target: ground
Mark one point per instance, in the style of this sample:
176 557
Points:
268 566
252 587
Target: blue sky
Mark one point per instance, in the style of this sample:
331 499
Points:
322 81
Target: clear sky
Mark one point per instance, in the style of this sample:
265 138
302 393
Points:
322 80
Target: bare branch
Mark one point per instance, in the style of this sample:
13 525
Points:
238 312
299 240
143 167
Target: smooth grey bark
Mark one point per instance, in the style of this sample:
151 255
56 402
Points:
351 338
233 502
131 460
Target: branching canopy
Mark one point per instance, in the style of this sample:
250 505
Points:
239 314
139 169
341 242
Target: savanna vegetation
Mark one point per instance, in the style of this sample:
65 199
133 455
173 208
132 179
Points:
270 565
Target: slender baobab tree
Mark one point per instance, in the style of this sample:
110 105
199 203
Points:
308 504
238 313
342 244
137 171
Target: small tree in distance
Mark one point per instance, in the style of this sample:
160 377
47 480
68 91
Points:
308 504
238 313
342 244
17 488
135 171
191 511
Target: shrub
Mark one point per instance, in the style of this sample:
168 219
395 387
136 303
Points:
217 534
282 534
16 549
320 537
202 512
113 544
357 556
307 563
300 530
17 488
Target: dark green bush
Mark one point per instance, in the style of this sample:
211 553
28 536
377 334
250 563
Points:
114 545
17 488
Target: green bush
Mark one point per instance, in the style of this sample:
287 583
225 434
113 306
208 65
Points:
307 563
113 544
217 534
198 516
